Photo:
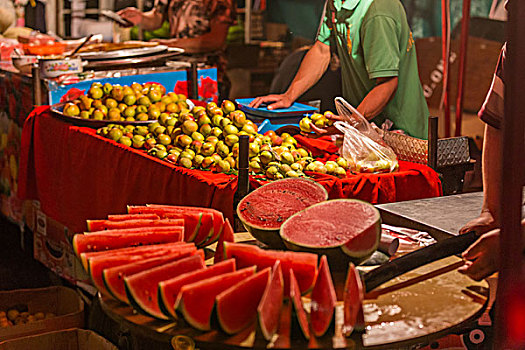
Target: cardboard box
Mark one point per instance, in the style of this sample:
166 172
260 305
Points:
64 302
70 339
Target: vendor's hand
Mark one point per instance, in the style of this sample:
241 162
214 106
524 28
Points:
279 101
483 223
319 132
132 15
482 257
167 42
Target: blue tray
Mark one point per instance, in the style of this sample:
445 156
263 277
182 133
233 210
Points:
295 110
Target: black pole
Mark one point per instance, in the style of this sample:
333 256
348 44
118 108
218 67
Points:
243 182
37 86
193 81
432 141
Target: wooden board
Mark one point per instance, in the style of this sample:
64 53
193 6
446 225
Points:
413 315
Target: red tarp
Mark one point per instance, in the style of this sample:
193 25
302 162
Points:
78 175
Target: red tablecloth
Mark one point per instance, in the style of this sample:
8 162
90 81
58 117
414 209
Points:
78 175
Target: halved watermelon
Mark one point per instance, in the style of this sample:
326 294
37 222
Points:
94 243
269 308
227 235
195 301
97 225
324 299
298 313
342 229
123 217
303 264
97 264
236 307
353 302
264 210
84 257
164 210
141 288
134 230
169 290
114 276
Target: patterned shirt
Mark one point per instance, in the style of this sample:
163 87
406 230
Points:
493 108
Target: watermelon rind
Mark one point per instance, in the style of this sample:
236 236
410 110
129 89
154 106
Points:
269 309
323 301
339 255
236 307
137 301
166 304
299 316
270 236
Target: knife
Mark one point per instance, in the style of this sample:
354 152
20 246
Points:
450 246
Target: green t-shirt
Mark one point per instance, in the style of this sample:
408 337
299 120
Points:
375 41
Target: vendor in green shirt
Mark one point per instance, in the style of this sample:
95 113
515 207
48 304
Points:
378 63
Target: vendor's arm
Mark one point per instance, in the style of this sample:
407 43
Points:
211 41
150 20
376 100
312 68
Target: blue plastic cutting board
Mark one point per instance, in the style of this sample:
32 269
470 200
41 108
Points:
297 109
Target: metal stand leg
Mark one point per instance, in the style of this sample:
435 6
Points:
432 142
37 85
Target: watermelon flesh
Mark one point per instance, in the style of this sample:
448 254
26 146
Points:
167 210
123 217
340 228
195 301
168 291
304 265
227 235
298 313
93 243
114 276
84 257
141 288
236 307
264 210
98 264
97 225
353 302
269 308
324 299
192 223
134 230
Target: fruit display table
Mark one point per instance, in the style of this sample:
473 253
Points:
77 175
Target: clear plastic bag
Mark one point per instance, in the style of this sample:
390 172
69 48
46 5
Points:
363 146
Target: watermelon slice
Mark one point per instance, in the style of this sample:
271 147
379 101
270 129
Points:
134 230
169 290
195 301
322 229
123 217
299 314
353 302
192 223
236 307
303 264
93 243
114 276
324 299
269 309
205 230
226 236
141 288
98 264
97 225
166 210
84 257
264 210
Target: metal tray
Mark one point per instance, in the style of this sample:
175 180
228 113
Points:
57 110
124 53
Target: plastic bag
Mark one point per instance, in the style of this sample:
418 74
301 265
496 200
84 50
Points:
363 147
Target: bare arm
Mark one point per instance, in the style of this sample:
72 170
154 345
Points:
150 20
491 169
211 41
312 68
376 100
